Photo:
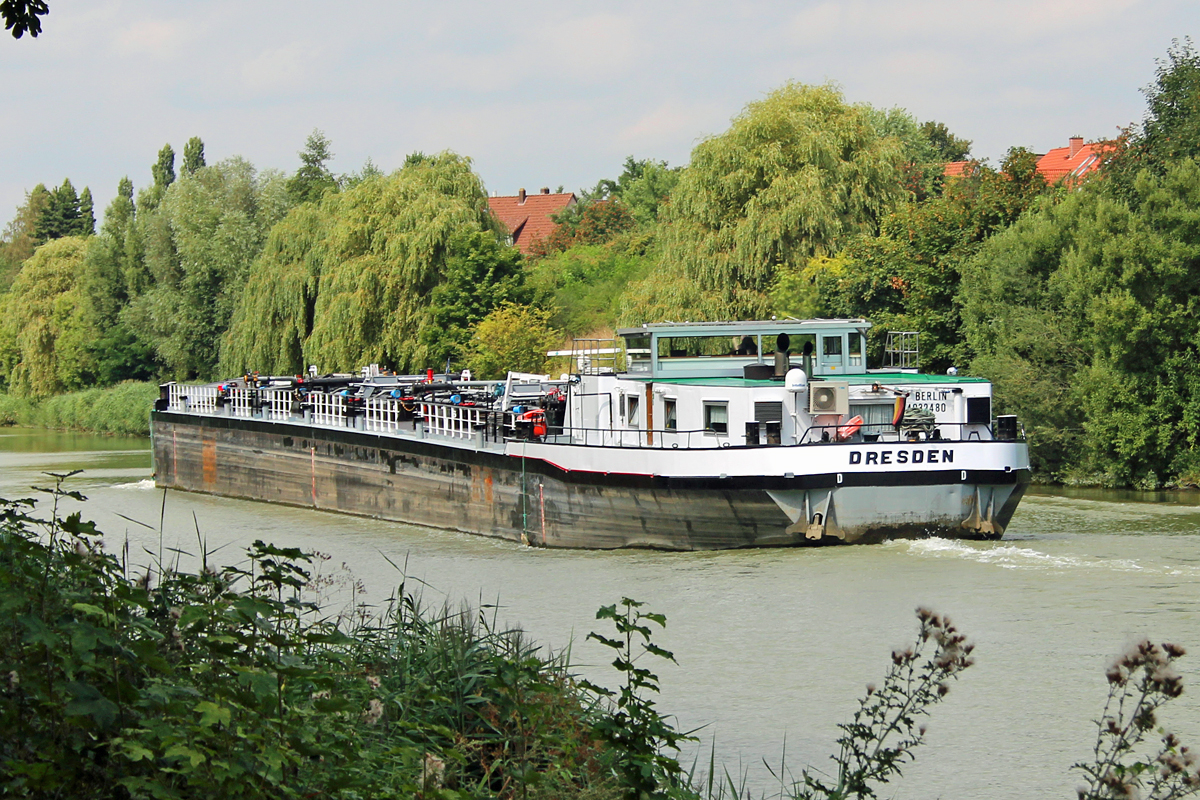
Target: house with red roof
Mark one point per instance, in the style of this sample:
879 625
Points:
1072 162
1068 163
527 216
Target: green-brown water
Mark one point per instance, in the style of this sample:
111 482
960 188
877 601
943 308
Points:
773 645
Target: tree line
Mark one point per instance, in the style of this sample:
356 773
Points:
1076 299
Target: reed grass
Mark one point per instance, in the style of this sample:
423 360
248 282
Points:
120 409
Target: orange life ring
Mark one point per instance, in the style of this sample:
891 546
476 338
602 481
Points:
850 428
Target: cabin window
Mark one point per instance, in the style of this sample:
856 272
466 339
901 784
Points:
877 417
716 417
831 353
707 346
637 354
669 422
856 350
632 404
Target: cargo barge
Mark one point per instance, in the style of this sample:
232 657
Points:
674 436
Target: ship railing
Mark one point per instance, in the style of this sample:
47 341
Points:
884 432
383 414
327 409
277 404
637 438
454 421
192 399
241 402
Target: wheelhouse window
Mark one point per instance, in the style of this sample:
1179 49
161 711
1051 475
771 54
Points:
856 350
716 417
637 353
669 422
707 347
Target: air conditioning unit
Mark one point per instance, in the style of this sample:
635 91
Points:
829 397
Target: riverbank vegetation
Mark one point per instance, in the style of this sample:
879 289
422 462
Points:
121 409
253 681
1077 299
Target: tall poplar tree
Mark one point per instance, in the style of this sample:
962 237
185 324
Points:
313 179
87 214
193 156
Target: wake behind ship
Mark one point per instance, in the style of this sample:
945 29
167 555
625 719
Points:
675 436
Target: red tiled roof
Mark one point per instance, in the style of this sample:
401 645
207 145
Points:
1071 162
527 216
955 169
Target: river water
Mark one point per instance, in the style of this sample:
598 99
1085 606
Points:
774 646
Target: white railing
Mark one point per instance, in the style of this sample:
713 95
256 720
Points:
458 422
381 414
277 404
237 401
194 399
327 409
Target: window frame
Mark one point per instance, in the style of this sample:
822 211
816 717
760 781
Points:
709 406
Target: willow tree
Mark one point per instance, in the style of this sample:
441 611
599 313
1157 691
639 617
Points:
356 279
275 315
796 174
46 325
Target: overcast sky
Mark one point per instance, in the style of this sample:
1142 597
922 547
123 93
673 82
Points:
544 93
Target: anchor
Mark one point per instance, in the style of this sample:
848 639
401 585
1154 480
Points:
983 525
816 524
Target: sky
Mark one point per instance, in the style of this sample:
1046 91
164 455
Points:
544 93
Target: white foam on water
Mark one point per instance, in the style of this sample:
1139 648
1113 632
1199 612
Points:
142 485
1009 556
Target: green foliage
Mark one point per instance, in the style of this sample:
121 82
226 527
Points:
922 164
635 729
584 285
45 325
275 314
481 275
237 682
121 409
193 156
797 173
62 214
22 16
907 277
1170 130
511 338
356 279
946 145
198 245
1087 311
313 179
164 168
588 222
87 213
643 187
18 241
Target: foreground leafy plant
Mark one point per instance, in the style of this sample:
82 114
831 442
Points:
638 734
234 682
1140 682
